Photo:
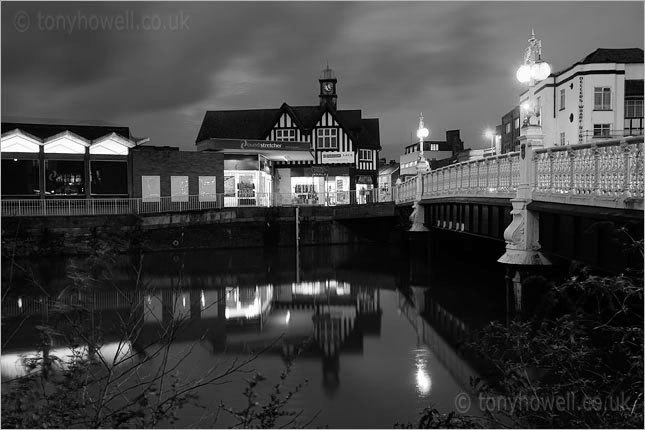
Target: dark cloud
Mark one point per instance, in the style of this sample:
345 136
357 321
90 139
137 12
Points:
453 61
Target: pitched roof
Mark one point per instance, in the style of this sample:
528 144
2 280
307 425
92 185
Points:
604 55
369 136
388 169
43 131
257 123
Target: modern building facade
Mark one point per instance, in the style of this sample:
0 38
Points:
299 154
65 160
433 150
598 97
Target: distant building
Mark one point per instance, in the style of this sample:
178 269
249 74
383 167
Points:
387 176
598 97
432 150
510 131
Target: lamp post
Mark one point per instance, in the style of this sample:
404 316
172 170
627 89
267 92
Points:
522 245
417 216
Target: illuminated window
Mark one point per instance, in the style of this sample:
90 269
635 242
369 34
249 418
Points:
563 140
179 188
602 98
327 138
601 130
207 188
150 189
286 134
365 154
562 99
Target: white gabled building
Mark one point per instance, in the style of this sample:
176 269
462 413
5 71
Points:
599 97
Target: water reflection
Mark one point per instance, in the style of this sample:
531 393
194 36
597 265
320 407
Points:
377 343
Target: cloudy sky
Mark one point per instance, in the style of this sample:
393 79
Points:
157 67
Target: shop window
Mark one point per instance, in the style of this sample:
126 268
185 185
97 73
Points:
365 154
327 138
634 108
64 177
602 98
109 177
207 188
179 188
601 130
286 134
150 189
20 177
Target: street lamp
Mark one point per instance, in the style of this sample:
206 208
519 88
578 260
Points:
532 71
422 133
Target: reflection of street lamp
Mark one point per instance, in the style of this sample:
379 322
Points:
422 133
532 71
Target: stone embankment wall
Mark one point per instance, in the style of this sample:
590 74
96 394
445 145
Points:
225 228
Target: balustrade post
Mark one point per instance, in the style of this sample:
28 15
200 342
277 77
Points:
522 235
499 172
625 149
551 158
572 161
596 169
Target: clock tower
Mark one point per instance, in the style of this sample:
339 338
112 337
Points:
328 87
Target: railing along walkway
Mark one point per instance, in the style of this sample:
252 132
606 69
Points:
604 174
127 206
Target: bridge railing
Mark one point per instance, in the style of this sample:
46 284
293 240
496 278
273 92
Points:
124 206
497 175
595 173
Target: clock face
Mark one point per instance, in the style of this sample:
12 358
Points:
328 87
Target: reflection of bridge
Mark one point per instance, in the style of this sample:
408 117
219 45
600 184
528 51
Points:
452 330
558 198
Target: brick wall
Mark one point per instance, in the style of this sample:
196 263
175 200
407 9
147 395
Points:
167 162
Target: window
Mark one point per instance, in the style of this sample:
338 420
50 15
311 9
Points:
327 138
517 123
150 189
207 189
602 98
109 177
365 154
286 134
634 126
601 130
634 108
563 140
508 127
562 99
20 177
434 147
179 188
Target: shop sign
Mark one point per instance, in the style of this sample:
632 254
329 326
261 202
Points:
319 171
271 145
363 179
337 157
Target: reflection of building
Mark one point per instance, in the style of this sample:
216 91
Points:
433 150
304 154
62 160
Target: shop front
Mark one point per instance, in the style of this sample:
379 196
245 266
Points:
250 174
315 185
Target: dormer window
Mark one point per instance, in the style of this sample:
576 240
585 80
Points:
327 138
285 134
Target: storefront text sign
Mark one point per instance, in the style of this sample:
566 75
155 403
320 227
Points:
337 157
271 145
319 171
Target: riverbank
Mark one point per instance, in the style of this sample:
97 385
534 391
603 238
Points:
214 229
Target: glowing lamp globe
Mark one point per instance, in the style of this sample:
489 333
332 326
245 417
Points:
543 71
422 133
488 134
523 73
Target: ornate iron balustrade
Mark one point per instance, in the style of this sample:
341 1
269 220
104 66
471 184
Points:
599 174
607 173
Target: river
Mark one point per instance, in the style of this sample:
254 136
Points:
373 332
